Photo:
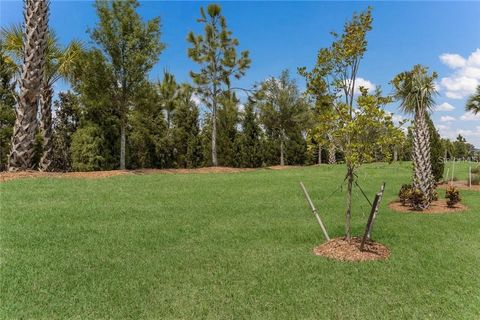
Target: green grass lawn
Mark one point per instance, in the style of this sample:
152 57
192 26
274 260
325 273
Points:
228 246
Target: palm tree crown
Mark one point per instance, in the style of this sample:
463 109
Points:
473 103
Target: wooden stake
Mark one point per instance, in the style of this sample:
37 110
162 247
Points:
370 220
314 210
382 189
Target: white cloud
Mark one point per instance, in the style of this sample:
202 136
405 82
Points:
444 107
466 76
470 116
360 82
472 135
446 119
453 60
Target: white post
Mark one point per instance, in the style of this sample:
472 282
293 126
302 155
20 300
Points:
470 177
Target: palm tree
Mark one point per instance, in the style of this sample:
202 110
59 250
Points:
473 103
415 89
30 82
58 64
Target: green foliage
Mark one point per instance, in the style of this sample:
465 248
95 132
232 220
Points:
473 103
360 133
216 53
186 131
415 90
284 113
131 48
87 145
437 151
405 193
452 194
7 105
67 118
417 199
476 169
227 124
475 179
249 140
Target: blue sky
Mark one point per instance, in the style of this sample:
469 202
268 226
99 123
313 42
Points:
442 35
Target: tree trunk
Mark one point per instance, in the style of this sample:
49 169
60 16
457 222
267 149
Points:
422 166
214 135
122 145
46 130
348 213
282 156
331 154
34 45
319 154
395 153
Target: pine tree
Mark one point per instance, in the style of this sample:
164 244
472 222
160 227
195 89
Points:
227 123
249 144
186 131
217 55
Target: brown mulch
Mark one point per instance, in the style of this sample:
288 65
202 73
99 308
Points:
340 249
283 167
7 176
196 170
436 207
461 184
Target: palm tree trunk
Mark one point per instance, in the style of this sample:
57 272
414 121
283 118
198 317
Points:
34 46
422 169
45 105
331 154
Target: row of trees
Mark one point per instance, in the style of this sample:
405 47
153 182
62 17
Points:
115 117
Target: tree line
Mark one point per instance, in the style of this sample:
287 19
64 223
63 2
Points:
115 117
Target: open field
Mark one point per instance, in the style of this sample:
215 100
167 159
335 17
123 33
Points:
228 246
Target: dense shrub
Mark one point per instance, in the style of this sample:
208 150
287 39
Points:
476 179
417 198
476 170
405 193
452 194
87 148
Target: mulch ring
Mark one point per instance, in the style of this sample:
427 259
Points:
462 185
340 249
436 207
